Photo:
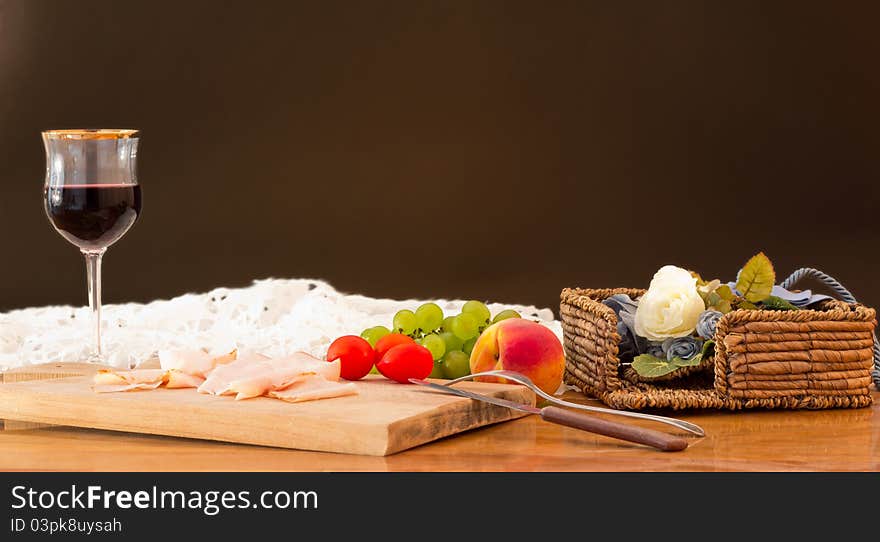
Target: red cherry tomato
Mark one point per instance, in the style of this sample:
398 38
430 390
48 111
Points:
389 341
406 361
356 356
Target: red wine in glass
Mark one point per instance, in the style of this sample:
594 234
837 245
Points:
92 197
93 216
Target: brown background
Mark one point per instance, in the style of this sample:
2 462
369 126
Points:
498 150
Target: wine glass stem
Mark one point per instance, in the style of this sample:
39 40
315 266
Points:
93 271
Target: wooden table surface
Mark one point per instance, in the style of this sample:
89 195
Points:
827 440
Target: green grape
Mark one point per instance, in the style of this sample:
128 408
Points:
435 344
405 322
478 310
429 317
375 371
452 342
505 314
456 364
437 371
465 326
447 323
468 345
373 334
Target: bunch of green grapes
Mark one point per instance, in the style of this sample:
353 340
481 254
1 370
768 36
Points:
450 339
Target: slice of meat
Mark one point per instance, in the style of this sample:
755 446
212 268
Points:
178 379
314 387
193 362
179 369
299 377
111 388
224 358
105 377
280 373
217 382
312 365
134 376
109 381
264 377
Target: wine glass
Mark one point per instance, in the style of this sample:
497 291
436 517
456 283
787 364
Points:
92 197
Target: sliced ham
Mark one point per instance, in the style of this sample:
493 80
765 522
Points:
113 388
253 378
267 375
217 382
179 379
179 369
280 373
193 362
109 381
299 377
313 387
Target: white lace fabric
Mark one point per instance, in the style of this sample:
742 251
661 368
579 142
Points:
273 316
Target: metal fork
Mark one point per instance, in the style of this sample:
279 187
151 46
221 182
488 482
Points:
526 381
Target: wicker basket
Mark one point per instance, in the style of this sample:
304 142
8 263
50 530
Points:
812 358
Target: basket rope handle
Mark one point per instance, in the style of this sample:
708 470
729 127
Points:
843 293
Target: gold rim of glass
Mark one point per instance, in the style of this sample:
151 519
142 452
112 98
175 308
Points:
91 133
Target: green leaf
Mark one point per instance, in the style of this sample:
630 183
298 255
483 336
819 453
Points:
756 279
711 299
687 362
649 366
723 306
708 348
747 305
716 302
725 292
707 291
778 304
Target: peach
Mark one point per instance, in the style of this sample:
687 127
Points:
523 346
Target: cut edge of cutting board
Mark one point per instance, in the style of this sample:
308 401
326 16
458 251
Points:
41 371
48 371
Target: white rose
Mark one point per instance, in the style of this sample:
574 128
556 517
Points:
671 306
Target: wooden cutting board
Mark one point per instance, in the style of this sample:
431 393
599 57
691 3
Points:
385 418
43 371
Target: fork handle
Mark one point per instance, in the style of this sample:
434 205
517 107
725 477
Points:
631 433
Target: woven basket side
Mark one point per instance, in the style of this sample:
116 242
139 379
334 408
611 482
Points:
590 339
649 396
796 359
580 297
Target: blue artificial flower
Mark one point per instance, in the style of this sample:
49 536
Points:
619 302
626 349
682 347
624 307
707 322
